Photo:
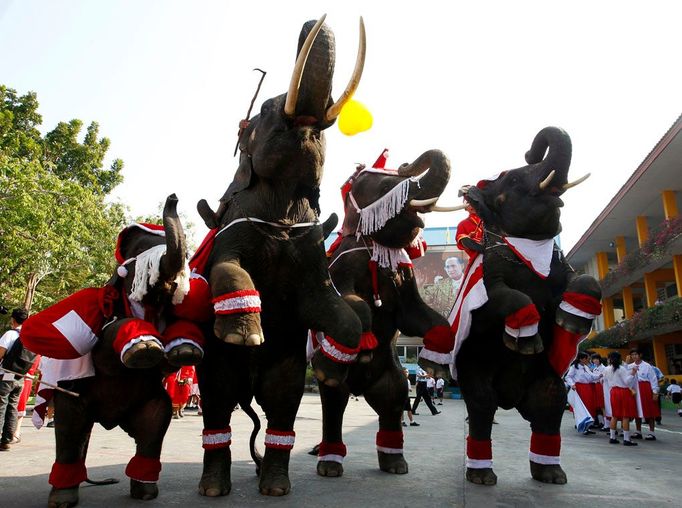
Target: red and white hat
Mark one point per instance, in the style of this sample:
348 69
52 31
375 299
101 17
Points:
155 229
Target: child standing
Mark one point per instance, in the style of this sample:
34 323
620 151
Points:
675 392
621 383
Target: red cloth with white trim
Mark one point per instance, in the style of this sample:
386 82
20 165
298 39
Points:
586 393
196 305
144 469
390 441
183 329
70 328
132 329
545 448
471 228
280 439
237 302
479 453
213 439
65 476
199 259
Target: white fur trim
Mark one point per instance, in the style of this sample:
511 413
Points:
479 463
275 439
575 311
538 253
237 302
524 331
374 216
181 340
141 338
216 439
330 458
392 451
332 351
440 358
544 459
389 258
146 271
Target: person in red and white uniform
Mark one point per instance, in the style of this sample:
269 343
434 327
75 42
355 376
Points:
580 378
597 367
179 387
647 395
470 232
620 382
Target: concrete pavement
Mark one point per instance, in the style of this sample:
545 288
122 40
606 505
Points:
598 473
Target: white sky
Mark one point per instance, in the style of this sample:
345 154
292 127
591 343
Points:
169 81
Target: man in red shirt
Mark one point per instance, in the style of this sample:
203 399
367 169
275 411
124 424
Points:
470 233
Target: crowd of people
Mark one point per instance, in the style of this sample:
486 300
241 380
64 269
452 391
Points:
624 391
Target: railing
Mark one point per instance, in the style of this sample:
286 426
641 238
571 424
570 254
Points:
657 320
664 241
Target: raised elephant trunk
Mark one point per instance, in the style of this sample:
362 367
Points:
437 167
550 171
173 260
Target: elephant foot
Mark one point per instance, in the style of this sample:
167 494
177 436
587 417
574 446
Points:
143 355
274 474
184 354
215 479
63 498
524 345
329 468
435 369
327 371
239 329
548 473
572 323
393 463
484 476
144 491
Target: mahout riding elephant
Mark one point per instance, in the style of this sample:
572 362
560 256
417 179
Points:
521 339
268 273
112 342
371 267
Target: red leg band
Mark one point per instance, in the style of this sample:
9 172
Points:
331 451
440 339
132 329
144 469
216 438
585 303
525 316
545 448
66 476
183 329
390 441
280 439
368 341
479 453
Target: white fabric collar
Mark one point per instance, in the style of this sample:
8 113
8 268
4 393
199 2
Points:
536 254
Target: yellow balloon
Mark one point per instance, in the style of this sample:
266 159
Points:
354 118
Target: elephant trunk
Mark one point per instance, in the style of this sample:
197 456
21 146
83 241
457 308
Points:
314 96
433 183
557 160
173 260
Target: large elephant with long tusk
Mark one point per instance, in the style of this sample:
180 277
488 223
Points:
371 267
523 311
268 271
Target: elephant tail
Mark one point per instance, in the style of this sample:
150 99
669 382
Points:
255 455
106 481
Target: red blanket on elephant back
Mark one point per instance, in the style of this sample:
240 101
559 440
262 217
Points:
69 328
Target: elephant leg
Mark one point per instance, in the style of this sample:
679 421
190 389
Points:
279 388
521 319
322 310
543 406
223 372
237 305
481 403
148 426
387 397
73 425
332 450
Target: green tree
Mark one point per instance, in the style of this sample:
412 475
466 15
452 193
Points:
57 231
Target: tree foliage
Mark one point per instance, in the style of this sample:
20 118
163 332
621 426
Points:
58 233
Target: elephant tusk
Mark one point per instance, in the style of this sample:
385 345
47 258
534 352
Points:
547 180
334 110
448 208
416 203
578 181
295 83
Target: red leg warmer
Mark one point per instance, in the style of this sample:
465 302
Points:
65 476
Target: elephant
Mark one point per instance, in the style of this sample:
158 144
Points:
521 339
266 265
371 268
119 382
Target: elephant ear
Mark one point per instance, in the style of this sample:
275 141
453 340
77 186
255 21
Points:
243 178
476 199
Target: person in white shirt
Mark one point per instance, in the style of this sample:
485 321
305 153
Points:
580 378
598 386
647 395
10 388
440 387
407 408
675 392
621 382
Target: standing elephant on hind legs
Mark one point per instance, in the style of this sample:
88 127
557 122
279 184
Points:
371 267
520 341
266 265
112 345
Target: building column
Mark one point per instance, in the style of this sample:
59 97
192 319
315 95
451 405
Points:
607 303
670 211
628 304
649 282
